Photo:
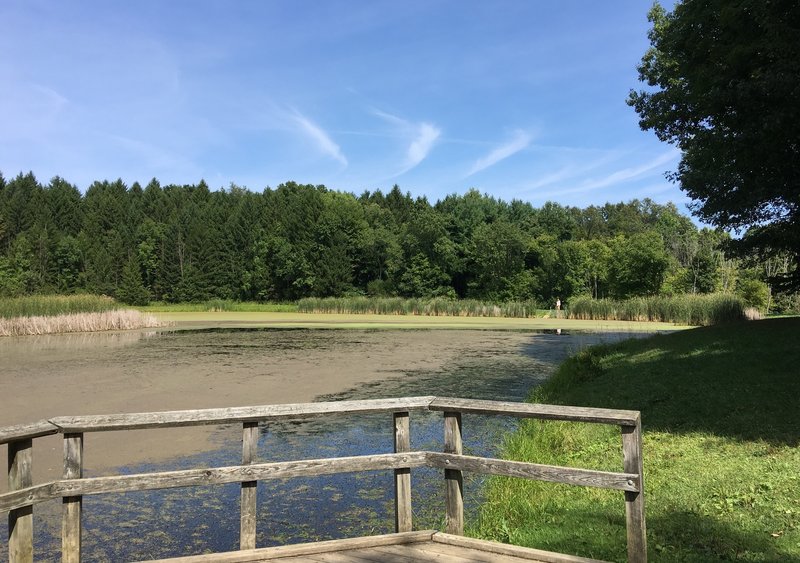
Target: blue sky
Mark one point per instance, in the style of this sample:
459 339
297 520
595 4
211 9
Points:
519 99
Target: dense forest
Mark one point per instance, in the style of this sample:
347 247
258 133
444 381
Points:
191 243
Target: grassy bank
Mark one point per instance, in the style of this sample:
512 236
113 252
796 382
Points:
722 464
695 310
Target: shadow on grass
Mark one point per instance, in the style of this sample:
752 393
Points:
680 536
740 381
690 537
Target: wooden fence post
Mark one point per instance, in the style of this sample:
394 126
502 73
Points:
402 476
247 523
634 502
71 512
20 521
454 483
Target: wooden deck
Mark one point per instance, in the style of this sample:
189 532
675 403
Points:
404 547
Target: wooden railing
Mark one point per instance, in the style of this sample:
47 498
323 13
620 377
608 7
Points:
23 494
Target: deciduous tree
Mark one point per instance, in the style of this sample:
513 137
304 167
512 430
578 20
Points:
723 80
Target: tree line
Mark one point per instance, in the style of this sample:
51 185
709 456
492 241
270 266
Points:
182 243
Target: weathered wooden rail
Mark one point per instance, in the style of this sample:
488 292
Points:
23 494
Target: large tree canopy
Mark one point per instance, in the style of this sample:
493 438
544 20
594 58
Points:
725 89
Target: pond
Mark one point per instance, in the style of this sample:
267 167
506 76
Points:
193 369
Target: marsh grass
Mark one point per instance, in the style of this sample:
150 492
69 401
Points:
695 310
220 306
425 307
51 305
77 322
722 464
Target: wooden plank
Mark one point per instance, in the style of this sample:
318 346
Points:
454 482
297 550
402 476
173 419
10 434
71 511
634 500
399 554
536 471
429 551
531 410
20 520
349 556
211 476
247 520
433 551
512 550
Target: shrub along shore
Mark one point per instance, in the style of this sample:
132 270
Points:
722 464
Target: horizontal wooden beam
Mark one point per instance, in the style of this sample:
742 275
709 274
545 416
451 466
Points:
10 434
532 410
172 419
308 468
213 476
536 471
198 417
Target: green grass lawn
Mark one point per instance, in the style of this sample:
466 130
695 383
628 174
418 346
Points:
721 417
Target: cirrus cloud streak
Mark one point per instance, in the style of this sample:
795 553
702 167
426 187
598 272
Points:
520 141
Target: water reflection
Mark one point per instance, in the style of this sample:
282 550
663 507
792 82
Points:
73 341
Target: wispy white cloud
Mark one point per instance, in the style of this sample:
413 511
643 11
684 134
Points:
632 173
393 119
421 145
422 138
619 176
520 141
324 143
577 167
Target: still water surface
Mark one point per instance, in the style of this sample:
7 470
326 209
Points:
177 522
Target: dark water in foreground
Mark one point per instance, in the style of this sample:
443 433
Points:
174 522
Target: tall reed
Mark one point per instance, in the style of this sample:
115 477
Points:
696 310
49 305
221 306
436 307
77 322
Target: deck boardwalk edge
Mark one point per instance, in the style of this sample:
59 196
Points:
267 553
507 549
